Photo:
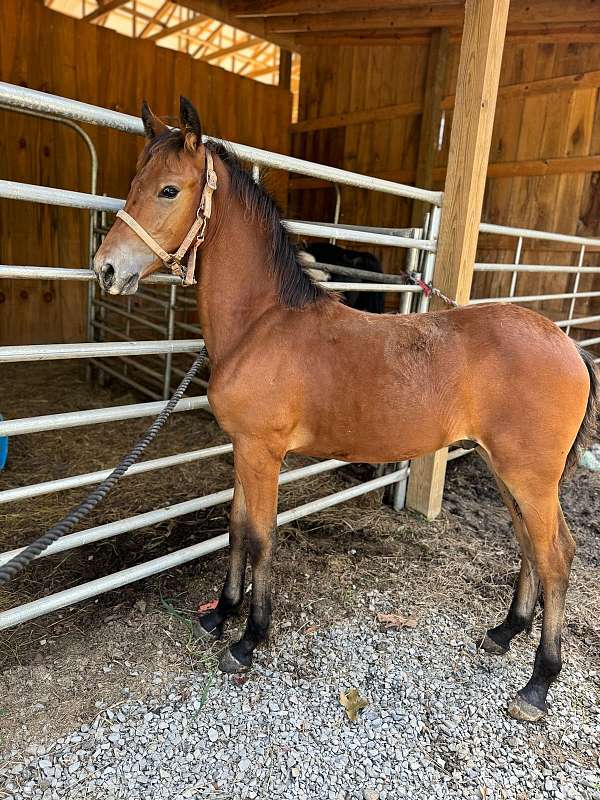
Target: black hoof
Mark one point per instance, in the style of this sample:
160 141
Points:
203 629
521 709
231 665
491 647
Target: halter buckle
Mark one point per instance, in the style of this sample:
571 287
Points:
202 232
211 179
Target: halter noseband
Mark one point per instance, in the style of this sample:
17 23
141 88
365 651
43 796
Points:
198 231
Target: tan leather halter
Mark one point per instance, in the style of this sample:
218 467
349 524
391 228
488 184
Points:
194 237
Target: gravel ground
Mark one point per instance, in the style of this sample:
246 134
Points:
435 726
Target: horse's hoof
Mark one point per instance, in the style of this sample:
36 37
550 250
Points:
491 647
520 709
231 665
200 632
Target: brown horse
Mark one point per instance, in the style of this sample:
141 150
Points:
295 370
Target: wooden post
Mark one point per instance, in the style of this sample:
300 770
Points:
285 68
476 91
430 118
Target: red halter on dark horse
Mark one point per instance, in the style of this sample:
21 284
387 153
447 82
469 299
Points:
295 370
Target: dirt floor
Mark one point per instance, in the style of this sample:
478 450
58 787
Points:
59 670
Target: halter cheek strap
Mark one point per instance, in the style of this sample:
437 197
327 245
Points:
194 237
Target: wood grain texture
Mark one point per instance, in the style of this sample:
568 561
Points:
54 53
476 91
431 118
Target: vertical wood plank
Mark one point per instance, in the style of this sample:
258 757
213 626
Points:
430 118
476 91
285 69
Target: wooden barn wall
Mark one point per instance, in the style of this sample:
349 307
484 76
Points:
339 80
45 50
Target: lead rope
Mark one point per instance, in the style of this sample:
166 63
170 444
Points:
429 290
80 512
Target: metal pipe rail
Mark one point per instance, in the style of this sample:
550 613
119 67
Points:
143 520
56 352
530 233
95 416
405 232
27 272
93 588
13 190
533 298
489 267
86 479
21 97
65 273
584 244
335 286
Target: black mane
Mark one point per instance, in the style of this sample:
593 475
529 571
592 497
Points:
296 288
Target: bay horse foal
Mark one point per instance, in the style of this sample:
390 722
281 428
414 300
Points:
294 370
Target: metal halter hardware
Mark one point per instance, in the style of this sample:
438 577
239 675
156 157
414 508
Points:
194 237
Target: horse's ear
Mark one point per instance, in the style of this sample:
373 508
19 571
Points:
190 124
153 126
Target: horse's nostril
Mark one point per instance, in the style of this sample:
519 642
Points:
108 276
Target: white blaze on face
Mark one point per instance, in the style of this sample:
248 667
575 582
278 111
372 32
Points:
306 259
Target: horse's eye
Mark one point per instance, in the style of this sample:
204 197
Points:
169 191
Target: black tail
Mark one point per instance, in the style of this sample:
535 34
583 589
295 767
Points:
588 424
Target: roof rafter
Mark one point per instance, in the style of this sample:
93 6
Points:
103 10
219 9
181 26
228 51
156 19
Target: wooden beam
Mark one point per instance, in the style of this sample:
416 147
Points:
555 34
181 26
156 19
265 8
103 10
569 165
476 91
561 83
219 9
228 51
549 34
533 168
414 17
285 69
260 72
522 12
420 36
208 41
367 115
431 117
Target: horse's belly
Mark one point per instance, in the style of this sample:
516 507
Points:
369 441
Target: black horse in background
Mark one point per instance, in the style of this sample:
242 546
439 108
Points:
325 253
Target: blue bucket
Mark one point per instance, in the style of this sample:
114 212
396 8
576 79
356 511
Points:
3 448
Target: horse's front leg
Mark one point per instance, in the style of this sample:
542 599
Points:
257 469
210 625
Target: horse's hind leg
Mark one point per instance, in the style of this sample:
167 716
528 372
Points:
210 625
554 548
520 614
552 551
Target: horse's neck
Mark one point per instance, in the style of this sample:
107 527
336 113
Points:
236 286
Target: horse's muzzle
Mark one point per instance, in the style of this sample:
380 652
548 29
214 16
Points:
114 281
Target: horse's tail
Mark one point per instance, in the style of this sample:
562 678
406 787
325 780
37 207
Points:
588 424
